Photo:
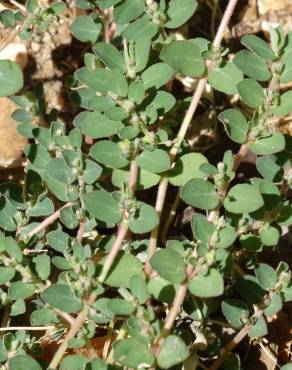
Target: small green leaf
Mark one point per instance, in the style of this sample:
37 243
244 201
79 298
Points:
251 92
235 312
270 236
200 193
173 351
252 65
202 228
235 125
144 219
249 289
20 290
184 57
169 265
96 125
243 198
61 297
157 75
73 362
286 75
58 240
179 12
42 266
285 105
266 276
225 78
21 362
109 55
155 161
85 29
132 354
207 286
258 46
141 50
69 218
145 179
124 268
286 367
103 206
43 316
186 168
97 79
120 306
6 274
140 28
275 305
269 169
108 153
13 249
128 10
11 78
259 329
269 145
7 18
138 288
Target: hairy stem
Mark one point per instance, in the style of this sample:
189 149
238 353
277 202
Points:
81 317
162 188
234 342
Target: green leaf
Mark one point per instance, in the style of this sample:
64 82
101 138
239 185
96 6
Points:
7 18
269 169
144 219
21 362
6 274
38 158
184 57
169 265
73 362
124 268
109 55
108 153
161 289
128 10
140 28
18 308
7 212
138 288
269 145
266 276
249 289
132 354
258 46
42 266
207 286
225 78
251 92
286 75
103 206
275 305
92 171
202 228
179 12
232 362
200 193
13 249
251 65
44 207
243 198
155 161
20 290
43 316
157 75
145 179
136 92
58 240
85 29
269 236
97 79
61 297
11 78
59 177
120 306
141 51
96 125
235 125
69 218
186 168
286 367
285 105
259 329
235 311
173 351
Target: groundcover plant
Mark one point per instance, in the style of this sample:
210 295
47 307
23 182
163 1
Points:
87 262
